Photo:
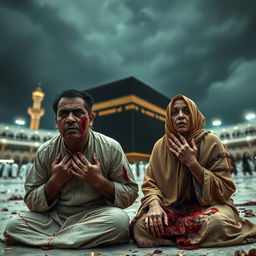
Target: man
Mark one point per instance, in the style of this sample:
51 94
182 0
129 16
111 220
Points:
77 185
14 170
6 171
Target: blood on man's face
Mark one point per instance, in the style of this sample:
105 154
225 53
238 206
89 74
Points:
72 118
83 123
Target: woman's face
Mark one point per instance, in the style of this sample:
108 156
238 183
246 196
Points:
180 116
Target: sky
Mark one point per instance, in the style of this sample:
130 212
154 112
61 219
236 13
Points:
204 49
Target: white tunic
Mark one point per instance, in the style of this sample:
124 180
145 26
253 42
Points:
80 216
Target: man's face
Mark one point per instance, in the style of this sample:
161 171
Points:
72 118
181 116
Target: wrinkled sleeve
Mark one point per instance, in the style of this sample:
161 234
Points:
150 187
34 185
126 189
218 185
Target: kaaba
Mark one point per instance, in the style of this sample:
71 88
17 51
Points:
132 113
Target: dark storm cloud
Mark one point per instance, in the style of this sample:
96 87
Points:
40 47
206 40
203 49
207 37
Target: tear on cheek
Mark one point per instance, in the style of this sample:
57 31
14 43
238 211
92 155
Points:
83 125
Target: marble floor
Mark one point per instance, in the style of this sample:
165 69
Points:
13 189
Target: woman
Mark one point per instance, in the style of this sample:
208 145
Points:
188 186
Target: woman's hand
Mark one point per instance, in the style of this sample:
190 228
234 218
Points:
187 154
182 150
155 219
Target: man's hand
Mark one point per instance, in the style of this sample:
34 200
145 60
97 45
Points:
155 219
61 170
83 169
92 174
61 174
182 150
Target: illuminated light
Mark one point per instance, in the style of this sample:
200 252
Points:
248 138
6 128
20 122
224 130
3 141
36 132
36 144
250 116
225 141
235 128
38 93
8 161
216 123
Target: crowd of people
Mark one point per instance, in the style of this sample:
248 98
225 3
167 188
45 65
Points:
244 164
14 170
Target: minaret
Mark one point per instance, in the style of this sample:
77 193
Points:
36 112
